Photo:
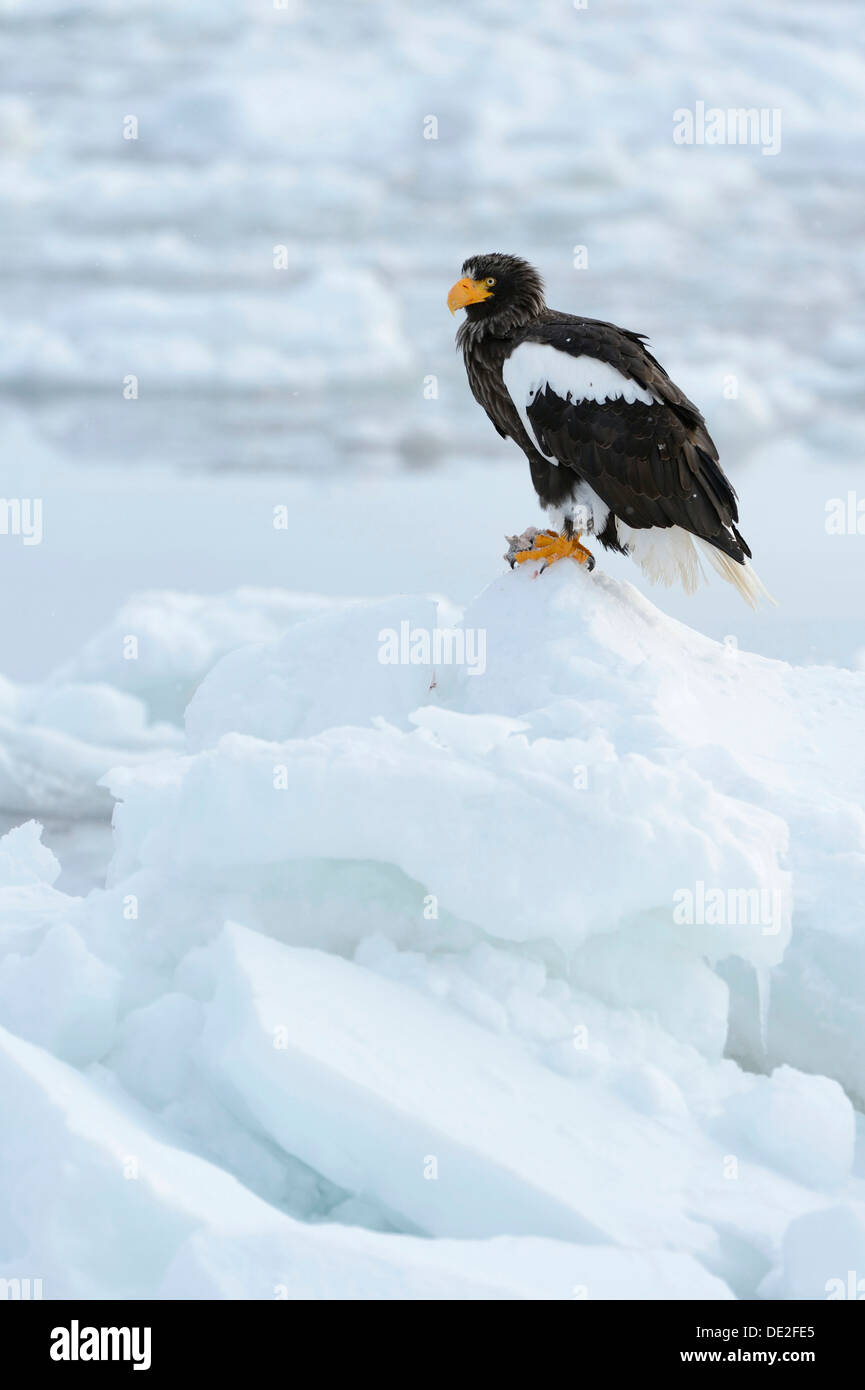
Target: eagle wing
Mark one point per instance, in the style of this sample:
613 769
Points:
593 399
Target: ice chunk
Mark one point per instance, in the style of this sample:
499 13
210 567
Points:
442 1121
823 1256
341 667
173 1226
61 996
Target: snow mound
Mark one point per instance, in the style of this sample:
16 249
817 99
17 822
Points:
122 697
57 742
177 638
181 1228
462 929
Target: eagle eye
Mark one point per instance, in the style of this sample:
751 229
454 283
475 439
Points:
490 281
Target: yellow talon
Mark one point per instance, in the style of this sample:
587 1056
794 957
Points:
549 548
546 538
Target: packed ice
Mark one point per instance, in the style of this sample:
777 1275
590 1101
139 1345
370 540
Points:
377 922
397 966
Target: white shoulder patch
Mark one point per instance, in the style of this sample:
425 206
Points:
532 366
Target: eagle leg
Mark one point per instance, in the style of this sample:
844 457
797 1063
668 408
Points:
548 547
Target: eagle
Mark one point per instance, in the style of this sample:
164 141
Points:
615 449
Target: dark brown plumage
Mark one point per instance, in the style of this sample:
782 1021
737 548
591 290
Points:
626 444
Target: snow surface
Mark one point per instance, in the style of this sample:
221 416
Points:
388 996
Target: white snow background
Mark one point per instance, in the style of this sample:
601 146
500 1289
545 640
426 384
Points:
379 986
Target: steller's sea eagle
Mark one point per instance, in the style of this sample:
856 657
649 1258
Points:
615 448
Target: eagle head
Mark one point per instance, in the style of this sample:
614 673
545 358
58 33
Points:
499 291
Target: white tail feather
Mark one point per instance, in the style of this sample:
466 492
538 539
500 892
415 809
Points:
742 577
666 555
672 555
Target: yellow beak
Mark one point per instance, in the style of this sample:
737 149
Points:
465 292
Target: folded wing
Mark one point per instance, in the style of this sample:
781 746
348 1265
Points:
594 400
